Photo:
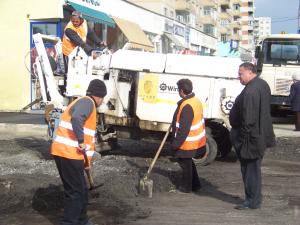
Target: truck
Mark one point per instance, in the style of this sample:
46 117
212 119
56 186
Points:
277 57
142 92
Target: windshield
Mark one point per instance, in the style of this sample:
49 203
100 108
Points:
281 51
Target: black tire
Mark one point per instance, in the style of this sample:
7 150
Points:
211 152
109 144
222 137
105 146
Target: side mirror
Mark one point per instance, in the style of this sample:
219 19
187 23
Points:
257 52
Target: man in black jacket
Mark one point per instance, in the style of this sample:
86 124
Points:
188 131
252 131
294 99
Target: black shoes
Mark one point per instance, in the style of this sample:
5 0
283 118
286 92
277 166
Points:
183 190
196 189
245 206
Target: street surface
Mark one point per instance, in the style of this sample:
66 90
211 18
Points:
31 191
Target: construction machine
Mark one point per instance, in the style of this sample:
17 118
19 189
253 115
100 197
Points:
142 91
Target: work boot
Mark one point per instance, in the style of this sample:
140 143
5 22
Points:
90 223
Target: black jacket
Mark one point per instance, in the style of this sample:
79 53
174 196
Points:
294 96
250 118
186 119
76 39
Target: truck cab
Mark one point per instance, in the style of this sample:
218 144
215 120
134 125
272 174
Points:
277 61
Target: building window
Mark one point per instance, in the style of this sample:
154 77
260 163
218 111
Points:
236 18
171 14
236 7
209 29
223 37
224 22
207 11
165 11
47 28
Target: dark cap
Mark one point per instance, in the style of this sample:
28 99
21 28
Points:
97 88
77 14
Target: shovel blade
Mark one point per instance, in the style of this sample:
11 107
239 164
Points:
146 187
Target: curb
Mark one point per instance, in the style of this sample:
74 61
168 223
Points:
12 128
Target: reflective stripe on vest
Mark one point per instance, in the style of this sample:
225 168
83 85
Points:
67 45
196 137
65 143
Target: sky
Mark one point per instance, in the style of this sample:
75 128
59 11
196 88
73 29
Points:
284 14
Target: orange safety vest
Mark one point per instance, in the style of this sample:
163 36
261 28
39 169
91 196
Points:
196 137
67 44
65 143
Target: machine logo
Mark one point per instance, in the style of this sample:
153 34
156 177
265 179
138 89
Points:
167 88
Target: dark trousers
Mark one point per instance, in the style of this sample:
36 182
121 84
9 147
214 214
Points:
66 63
190 178
297 121
75 190
251 173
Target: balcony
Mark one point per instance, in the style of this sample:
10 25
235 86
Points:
224 3
213 3
236 13
250 9
236 37
207 19
225 15
236 24
236 2
183 5
224 30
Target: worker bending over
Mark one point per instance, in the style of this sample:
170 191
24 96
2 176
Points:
75 137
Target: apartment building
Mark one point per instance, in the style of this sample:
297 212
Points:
236 20
207 19
182 21
230 21
163 7
262 27
247 23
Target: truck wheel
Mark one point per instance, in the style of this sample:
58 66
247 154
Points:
211 152
222 137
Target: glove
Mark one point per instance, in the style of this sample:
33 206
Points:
102 43
81 148
88 49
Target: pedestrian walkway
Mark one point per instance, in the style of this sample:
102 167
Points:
33 117
17 122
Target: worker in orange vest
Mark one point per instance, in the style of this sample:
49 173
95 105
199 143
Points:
75 136
188 131
76 33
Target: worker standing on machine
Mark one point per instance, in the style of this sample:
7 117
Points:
75 34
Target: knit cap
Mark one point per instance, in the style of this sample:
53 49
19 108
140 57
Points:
97 88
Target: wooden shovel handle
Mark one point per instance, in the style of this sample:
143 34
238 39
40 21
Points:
158 152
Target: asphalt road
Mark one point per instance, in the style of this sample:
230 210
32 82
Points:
30 185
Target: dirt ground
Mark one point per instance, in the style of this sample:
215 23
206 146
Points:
31 191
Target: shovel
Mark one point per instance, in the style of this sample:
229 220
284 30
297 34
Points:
87 170
146 184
